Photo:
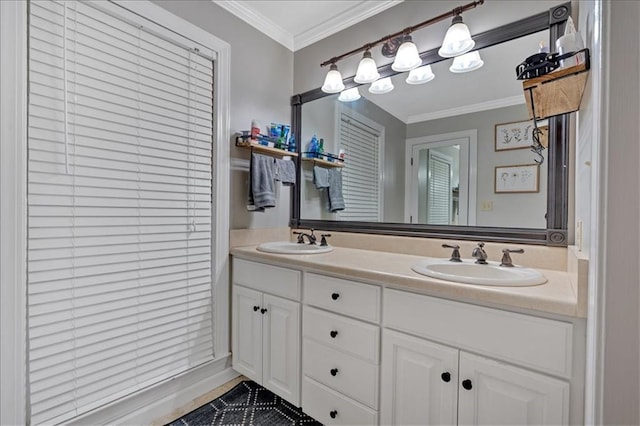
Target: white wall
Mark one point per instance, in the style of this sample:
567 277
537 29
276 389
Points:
261 88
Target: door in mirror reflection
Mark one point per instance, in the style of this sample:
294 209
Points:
440 182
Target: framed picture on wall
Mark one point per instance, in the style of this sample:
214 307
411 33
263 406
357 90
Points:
519 135
517 179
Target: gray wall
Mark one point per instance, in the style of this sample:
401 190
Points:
261 88
509 210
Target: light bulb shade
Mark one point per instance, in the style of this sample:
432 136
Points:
407 57
420 75
333 81
367 70
457 41
468 62
349 95
382 86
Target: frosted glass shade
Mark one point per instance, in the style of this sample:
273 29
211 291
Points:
333 81
420 75
382 86
407 57
468 62
457 41
349 95
367 70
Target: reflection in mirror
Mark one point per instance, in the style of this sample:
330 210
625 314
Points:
426 154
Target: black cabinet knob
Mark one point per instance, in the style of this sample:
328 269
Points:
333 333
335 296
334 371
263 310
333 414
467 384
446 377
255 308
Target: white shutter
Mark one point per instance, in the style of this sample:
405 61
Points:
361 174
438 190
119 221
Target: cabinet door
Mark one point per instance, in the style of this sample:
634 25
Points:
246 332
419 383
281 347
492 393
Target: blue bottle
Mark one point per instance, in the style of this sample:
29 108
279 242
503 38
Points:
292 143
313 147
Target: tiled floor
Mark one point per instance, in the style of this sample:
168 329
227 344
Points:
209 396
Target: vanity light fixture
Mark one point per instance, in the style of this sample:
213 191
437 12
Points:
333 81
349 95
382 86
468 62
407 57
406 53
367 70
457 41
420 75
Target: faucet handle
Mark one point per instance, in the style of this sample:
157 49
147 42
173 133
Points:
323 241
506 257
455 255
300 236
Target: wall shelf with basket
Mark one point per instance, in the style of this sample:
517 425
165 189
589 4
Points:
264 149
324 163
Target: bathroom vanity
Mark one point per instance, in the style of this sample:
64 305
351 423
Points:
356 337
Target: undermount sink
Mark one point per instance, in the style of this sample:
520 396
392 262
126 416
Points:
469 272
289 247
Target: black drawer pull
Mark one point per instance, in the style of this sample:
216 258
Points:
333 414
255 308
333 333
334 371
335 296
467 384
263 310
446 377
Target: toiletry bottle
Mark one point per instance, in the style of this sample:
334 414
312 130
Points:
313 147
292 143
321 149
255 129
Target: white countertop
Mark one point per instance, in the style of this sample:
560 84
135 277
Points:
559 295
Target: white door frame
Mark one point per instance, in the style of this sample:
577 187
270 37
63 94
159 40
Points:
468 151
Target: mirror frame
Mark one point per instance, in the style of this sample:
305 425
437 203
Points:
556 234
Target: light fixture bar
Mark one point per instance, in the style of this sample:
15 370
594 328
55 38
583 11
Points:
408 30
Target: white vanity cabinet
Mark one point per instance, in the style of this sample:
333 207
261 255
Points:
266 326
446 362
341 350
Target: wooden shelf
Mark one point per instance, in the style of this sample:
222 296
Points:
324 163
558 92
277 152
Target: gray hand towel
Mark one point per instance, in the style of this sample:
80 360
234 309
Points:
261 183
336 201
286 171
320 177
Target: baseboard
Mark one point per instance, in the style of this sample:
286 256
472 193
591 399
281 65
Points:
163 398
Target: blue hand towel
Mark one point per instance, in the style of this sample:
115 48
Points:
261 183
336 201
320 177
286 171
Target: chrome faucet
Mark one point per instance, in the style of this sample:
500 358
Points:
480 254
506 258
311 237
455 254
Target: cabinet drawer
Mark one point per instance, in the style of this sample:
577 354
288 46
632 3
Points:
341 372
267 278
319 402
539 343
353 336
351 298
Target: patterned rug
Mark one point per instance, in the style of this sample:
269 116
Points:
247 404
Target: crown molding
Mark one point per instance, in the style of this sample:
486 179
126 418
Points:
242 10
467 109
354 15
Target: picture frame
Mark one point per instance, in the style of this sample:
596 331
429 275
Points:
519 135
520 178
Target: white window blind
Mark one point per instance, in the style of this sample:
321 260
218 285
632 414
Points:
119 200
438 190
361 174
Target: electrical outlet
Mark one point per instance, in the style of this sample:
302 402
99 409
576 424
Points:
486 206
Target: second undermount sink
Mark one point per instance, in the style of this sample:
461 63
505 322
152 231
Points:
469 272
289 247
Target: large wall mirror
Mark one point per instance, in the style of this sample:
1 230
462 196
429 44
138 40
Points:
444 158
